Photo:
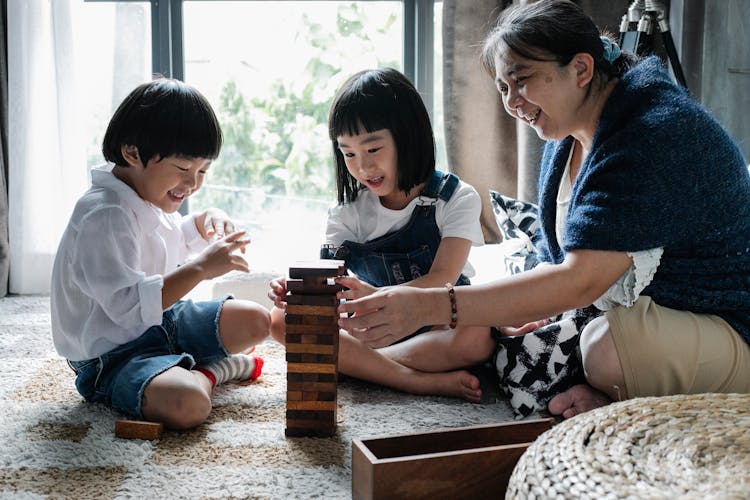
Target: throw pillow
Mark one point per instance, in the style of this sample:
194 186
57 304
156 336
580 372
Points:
518 223
515 218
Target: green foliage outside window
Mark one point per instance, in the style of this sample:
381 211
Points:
276 145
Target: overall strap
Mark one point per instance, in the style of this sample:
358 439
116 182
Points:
440 185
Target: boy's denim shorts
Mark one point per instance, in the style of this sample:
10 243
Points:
188 336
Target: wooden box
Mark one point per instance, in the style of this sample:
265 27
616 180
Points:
466 462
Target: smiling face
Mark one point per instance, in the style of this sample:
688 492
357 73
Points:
542 94
164 182
372 159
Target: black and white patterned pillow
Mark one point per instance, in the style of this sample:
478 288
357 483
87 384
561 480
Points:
534 367
515 218
518 222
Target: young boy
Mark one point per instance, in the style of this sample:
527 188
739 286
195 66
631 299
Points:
121 271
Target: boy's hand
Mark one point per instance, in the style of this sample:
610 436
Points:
214 223
356 288
277 293
219 257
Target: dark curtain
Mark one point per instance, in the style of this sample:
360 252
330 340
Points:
4 250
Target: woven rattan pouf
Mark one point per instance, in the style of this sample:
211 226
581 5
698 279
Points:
695 446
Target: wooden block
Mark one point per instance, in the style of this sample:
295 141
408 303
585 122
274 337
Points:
319 396
311 405
315 429
314 268
310 396
298 415
311 310
312 287
323 387
310 368
135 429
321 339
294 395
327 377
310 348
324 339
296 357
329 330
306 319
476 461
312 300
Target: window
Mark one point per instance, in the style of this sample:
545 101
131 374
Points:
270 70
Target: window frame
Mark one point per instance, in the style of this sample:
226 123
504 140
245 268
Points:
167 40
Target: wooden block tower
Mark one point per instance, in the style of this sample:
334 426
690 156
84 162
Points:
312 348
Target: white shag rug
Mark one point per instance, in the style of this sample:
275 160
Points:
55 445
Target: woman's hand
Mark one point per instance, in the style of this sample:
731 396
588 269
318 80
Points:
277 292
214 223
356 288
387 315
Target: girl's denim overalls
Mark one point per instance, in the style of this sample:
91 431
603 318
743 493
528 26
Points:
407 253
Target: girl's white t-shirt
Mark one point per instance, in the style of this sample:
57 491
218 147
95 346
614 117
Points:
366 218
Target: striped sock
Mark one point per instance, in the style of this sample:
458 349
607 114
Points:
235 367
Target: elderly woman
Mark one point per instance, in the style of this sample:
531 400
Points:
645 213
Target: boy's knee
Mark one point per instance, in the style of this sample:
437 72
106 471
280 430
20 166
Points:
177 398
244 323
260 323
190 407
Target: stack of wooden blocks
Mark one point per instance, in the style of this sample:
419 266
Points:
312 345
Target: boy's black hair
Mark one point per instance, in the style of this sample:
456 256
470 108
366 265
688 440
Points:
163 117
383 99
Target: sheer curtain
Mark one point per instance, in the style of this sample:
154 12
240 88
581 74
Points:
47 165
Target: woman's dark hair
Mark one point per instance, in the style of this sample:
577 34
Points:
383 99
164 117
551 30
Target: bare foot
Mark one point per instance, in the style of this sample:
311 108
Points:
457 384
578 399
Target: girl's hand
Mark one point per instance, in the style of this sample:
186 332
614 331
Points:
277 293
219 257
356 288
386 316
214 223
511 331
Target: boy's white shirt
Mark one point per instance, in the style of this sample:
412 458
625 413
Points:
108 274
366 218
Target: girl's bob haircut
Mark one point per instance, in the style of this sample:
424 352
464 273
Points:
164 117
383 99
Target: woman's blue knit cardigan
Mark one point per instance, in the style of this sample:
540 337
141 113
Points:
661 172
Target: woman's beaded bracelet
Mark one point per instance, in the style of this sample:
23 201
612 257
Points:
454 308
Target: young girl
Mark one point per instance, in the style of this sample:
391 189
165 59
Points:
398 222
116 284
